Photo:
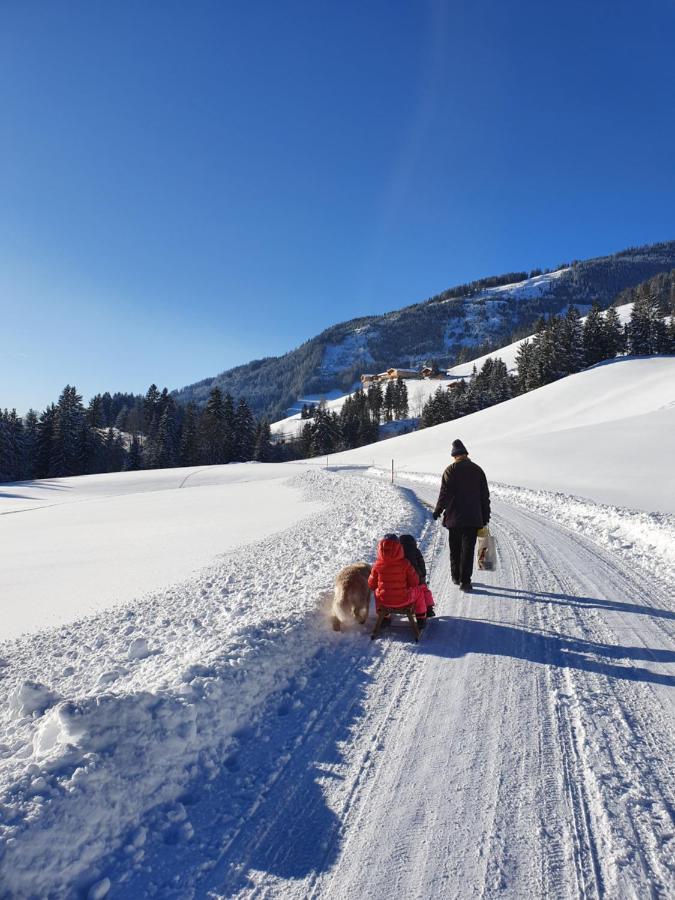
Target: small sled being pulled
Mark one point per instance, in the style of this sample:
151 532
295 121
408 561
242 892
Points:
385 611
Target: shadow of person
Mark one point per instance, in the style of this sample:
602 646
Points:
489 590
455 637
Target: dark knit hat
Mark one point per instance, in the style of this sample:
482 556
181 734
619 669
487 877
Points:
390 537
458 448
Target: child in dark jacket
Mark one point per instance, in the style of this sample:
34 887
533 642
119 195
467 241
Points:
414 556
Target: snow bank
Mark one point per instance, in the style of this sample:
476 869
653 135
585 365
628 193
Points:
136 702
640 538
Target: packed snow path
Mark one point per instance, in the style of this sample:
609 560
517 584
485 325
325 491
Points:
525 748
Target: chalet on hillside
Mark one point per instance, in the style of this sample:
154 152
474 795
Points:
428 372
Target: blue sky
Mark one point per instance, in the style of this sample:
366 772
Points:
187 186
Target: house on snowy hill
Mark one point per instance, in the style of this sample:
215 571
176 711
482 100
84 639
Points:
393 374
369 379
432 372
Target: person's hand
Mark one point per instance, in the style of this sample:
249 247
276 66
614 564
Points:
436 514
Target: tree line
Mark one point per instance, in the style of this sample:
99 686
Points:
560 346
71 439
357 424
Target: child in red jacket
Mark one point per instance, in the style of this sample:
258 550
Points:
392 575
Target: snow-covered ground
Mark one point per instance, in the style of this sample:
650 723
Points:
72 546
211 736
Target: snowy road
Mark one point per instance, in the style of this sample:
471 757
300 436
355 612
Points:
524 749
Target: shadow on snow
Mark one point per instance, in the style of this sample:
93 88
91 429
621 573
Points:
454 637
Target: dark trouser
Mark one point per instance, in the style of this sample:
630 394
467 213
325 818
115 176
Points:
462 545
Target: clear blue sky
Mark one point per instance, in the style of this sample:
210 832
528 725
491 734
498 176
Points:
185 186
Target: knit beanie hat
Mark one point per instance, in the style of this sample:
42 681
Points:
458 448
390 537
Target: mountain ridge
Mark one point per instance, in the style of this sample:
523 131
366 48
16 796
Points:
462 319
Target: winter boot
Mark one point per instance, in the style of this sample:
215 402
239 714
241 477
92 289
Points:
466 588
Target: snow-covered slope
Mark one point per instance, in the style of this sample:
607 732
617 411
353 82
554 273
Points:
607 433
509 353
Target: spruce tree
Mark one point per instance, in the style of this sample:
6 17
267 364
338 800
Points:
594 336
401 399
213 429
389 401
134 460
571 341
244 432
614 336
189 453
46 443
30 444
70 415
166 452
263 442
375 400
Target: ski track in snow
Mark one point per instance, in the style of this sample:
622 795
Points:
524 748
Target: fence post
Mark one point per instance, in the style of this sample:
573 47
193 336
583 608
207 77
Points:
392 471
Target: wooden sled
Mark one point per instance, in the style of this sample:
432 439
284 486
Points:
408 611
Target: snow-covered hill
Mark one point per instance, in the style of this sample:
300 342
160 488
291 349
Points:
607 433
214 737
420 391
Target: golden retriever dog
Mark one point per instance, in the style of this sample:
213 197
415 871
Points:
351 597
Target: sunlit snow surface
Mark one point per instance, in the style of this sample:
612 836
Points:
199 727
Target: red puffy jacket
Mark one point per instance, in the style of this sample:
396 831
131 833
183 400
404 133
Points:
392 575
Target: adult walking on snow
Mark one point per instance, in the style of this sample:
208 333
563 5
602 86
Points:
464 502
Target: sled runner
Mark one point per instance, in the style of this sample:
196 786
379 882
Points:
485 549
408 611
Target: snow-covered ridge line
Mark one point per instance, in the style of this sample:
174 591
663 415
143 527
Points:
112 717
643 539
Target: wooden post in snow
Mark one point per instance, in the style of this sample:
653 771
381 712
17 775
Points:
392 471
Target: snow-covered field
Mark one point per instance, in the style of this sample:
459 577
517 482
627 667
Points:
72 546
200 731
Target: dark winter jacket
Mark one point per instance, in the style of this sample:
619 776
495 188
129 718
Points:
412 553
464 498
392 575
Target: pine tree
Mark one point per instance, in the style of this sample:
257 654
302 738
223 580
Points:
647 330
525 367
189 453
400 399
166 453
263 442
593 337
229 429
213 429
389 401
244 432
46 440
134 459
30 444
571 342
151 411
375 400
325 432
614 335
70 415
